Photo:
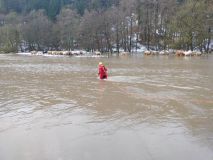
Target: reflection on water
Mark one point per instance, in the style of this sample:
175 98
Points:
149 108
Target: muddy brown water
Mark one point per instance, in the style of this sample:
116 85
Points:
150 108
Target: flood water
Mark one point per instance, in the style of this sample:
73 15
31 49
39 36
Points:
150 108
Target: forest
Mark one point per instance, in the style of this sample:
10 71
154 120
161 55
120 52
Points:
105 25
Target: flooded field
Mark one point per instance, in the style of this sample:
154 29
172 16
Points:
150 108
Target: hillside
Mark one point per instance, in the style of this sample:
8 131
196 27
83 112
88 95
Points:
105 25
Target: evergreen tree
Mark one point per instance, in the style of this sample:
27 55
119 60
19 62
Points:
54 8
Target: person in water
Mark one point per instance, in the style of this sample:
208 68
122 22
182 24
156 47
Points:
102 71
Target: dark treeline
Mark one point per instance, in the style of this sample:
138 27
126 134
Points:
105 25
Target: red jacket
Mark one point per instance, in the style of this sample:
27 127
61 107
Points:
102 72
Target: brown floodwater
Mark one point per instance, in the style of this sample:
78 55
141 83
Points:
150 108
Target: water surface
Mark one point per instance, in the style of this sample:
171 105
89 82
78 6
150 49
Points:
150 108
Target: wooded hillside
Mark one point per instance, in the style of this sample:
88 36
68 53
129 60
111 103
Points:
105 25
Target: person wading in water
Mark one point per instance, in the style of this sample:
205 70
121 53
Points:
102 71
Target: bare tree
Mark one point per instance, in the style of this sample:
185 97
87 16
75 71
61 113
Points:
36 30
88 31
68 22
10 33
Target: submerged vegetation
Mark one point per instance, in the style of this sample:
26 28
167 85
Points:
105 25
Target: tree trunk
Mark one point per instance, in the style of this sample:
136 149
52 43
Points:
109 46
130 37
117 41
209 40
